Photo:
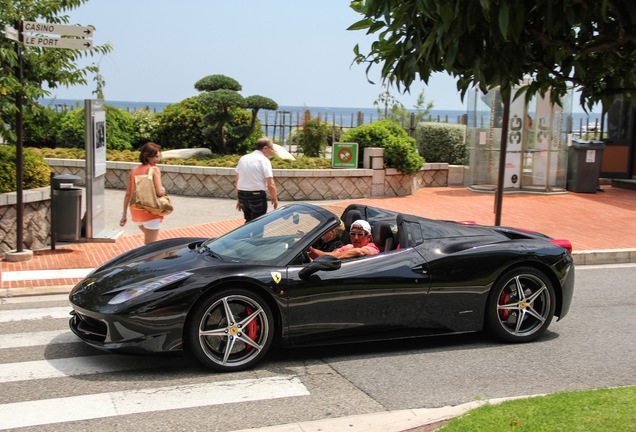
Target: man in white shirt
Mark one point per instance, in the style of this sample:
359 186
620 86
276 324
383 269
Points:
254 176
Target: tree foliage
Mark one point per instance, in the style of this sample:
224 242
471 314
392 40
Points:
390 108
71 131
53 67
219 98
588 44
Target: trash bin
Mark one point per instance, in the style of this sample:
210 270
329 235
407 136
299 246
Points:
584 165
66 207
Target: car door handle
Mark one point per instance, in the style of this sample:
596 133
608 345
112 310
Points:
419 269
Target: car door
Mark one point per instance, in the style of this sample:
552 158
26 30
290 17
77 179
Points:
365 297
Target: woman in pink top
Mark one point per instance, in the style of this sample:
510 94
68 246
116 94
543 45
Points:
148 223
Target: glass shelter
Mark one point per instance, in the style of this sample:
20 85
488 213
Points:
537 148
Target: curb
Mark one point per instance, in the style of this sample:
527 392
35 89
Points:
391 421
35 291
605 256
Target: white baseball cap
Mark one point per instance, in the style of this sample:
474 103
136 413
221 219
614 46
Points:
361 224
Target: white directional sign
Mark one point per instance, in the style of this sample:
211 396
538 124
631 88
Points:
11 33
51 42
68 30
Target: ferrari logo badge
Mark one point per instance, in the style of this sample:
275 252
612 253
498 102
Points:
276 276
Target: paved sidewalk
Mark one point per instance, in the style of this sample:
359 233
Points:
601 227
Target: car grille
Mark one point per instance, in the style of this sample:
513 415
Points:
89 328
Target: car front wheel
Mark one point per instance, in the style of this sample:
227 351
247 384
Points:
521 305
231 330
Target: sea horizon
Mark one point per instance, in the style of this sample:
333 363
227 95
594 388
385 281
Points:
159 106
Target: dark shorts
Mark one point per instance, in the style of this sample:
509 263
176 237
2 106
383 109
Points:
253 203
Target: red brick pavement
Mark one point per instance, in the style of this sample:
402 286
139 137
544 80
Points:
603 220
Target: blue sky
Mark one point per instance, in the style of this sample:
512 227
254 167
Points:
296 52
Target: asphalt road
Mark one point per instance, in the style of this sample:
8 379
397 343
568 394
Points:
47 376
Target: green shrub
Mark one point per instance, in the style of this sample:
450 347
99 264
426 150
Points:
442 142
119 129
311 138
145 124
400 150
180 125
402 155
36 172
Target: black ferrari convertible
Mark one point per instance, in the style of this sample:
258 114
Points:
227 300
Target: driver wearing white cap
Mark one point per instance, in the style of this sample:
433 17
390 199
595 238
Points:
361 243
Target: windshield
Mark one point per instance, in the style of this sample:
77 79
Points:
271 235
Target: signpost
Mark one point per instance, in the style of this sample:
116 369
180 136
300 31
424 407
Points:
36 39
52 42
59 29
11 33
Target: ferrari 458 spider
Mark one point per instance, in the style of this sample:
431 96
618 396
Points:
227 300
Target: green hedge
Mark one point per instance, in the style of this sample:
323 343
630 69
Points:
442 142
36 172
400 151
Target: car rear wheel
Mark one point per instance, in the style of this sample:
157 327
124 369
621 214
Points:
231 330
521 305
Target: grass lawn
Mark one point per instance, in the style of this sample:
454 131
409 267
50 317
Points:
599 410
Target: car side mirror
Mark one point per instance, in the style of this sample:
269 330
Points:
324 262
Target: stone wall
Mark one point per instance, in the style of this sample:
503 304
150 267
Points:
36 217
292 184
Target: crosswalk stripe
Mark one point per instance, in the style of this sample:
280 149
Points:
40 412
76 366
34 314
45 274
22 340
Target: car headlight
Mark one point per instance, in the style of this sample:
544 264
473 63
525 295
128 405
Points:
135 290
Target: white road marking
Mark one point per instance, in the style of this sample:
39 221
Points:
15 276
41 412
34 314
22 340
76 366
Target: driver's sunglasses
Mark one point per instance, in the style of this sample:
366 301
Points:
357 234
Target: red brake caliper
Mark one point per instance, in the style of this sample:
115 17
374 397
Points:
503 299
252 327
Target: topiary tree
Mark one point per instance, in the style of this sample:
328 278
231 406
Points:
219 98
241 135
257 103
442 142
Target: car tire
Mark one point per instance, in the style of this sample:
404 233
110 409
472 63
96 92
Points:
521 305
231 330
